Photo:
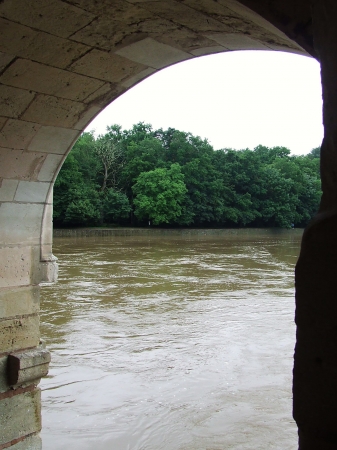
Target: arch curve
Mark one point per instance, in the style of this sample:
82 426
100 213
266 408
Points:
61 63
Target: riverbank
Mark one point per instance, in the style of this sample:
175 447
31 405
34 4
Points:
151 231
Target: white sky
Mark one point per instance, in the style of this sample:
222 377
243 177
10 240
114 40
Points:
234 99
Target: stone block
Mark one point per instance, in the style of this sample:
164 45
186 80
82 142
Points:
153 53
5 59
19 301
237 41
4 386
103 8
19 333
17 134
54 111
86 117
216 10
32 191
101 93
49 271
107 30
208 50
105 95
182 14
15 266
53 140
14 101
235 7
49 80
288 48
47 231
129 82
47 251
142 1
49 168
55 17
106 66
20 415
184 39
3 121
29 167
43 47
26 367
20 223
7 190
30 443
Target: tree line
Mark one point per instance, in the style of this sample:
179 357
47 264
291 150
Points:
172 178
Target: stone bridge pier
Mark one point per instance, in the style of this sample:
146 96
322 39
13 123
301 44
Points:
61 63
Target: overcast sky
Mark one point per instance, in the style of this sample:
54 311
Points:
235 100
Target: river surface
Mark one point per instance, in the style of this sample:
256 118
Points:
181 342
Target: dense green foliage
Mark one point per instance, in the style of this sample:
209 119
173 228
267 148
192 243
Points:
173 178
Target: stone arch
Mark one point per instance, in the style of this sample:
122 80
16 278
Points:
61 63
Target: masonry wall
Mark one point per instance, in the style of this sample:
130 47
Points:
61 63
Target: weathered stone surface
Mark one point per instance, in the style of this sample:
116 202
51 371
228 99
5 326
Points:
4 386
5 60
114 23
14 101
153 53
185 39
32 192
15 266
208 50
17 134
3 121
20 224
54 111
46 254
101 93
19 333
55 17
49 270
42 47
249 15
105 95
106 66
28 169
7 190
49 168
30 443
19 301
21 415
183 15
50 139
49 80
140 76
235 41
87 115
25 367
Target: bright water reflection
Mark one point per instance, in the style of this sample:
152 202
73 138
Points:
173 343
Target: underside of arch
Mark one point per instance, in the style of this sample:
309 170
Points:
61 63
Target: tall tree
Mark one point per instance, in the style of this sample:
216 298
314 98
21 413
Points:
109 151
159 195
260 187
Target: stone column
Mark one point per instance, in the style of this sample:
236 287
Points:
25 261
315 367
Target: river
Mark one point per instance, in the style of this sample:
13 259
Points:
181 342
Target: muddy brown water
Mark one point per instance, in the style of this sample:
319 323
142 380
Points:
181 342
